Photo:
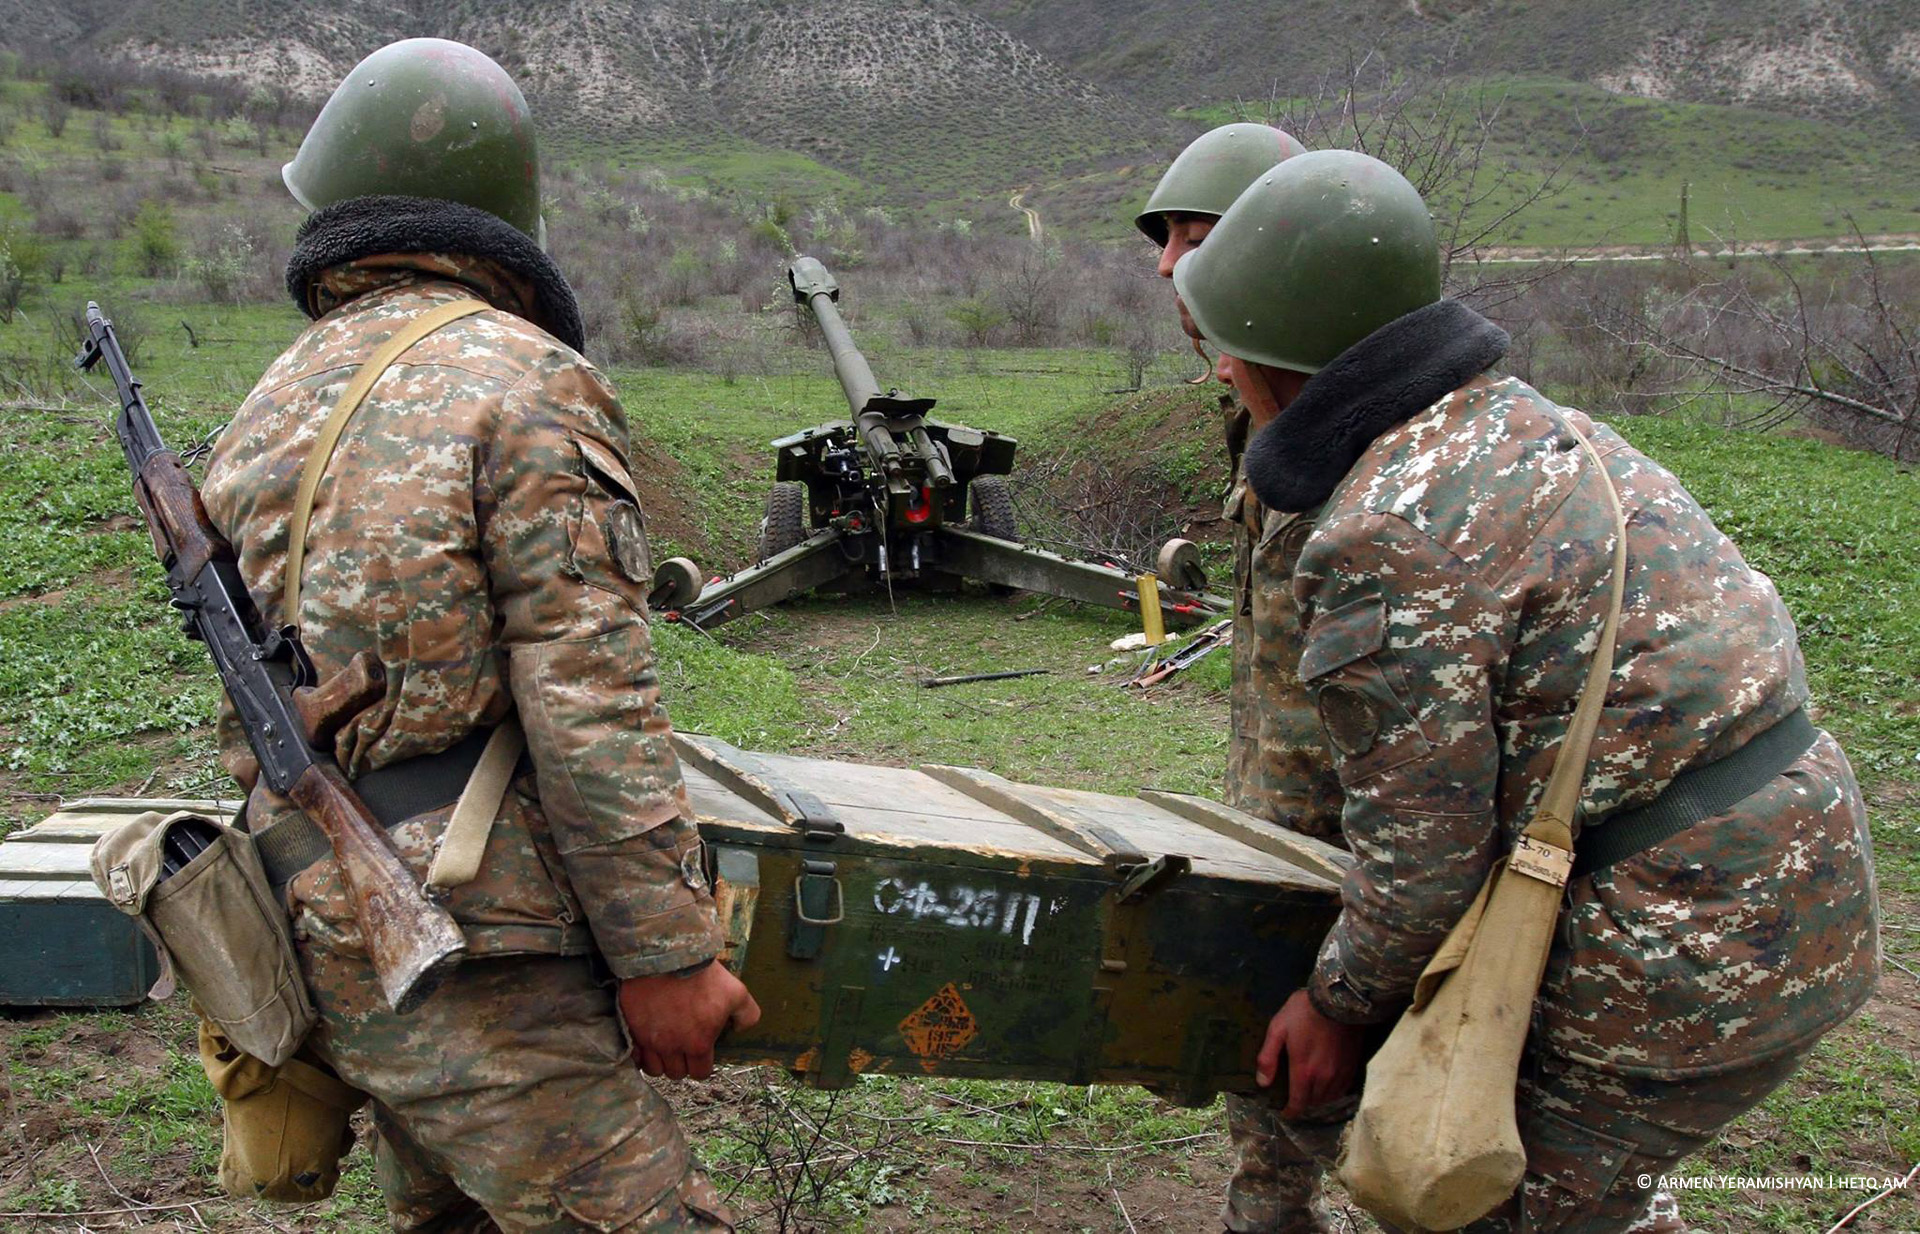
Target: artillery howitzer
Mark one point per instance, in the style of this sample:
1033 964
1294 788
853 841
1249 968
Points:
892 497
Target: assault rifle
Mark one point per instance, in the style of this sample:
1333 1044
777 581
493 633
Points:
289 718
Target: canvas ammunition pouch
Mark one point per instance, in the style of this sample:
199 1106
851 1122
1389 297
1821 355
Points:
197 889
286 1128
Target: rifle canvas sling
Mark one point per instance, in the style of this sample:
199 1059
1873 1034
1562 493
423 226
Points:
466 836
321 455
1436 1142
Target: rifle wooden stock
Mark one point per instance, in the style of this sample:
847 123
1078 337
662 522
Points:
289 719
412 942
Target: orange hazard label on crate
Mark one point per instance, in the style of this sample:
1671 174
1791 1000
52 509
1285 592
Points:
939 1027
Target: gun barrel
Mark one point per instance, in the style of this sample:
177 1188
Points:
139 436
855 374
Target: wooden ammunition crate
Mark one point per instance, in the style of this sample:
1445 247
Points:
945 921
61 943
939 921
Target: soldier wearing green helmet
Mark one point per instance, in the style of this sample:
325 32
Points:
1278 767
424 118
1454 590
477 529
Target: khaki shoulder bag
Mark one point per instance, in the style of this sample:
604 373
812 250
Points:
1436 1143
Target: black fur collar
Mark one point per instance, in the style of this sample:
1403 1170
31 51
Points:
367 226
1385 379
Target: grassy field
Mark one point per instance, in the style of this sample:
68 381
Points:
1754 176
109 1122
97 693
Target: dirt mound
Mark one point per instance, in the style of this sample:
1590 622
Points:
665 495
1120 480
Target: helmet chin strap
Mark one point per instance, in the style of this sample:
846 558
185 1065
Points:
1200 350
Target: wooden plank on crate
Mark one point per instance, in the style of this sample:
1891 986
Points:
1004 795
882 803
1150 828
1305 852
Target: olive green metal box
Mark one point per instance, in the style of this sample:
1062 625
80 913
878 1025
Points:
946 921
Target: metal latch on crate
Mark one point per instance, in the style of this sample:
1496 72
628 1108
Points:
818 902
1146 876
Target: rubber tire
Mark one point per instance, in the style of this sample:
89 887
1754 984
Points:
990 499
786 522
992 502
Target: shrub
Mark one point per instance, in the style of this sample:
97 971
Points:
977 319
224 268
13 282
103 135
156 241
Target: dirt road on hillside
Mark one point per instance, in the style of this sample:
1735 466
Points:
1896 242
1035 231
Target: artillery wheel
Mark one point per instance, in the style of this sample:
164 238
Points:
992 503
676 584
992 500
1179 566
786 522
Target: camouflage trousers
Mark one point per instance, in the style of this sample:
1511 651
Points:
1595 1141
507 1101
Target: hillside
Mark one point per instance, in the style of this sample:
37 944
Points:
918 100
958 103
1838 59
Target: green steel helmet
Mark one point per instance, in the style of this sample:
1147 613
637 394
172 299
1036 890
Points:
1317 254
1213 170
424 118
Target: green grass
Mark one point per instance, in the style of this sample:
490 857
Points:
857 662
1755 176
725 164
1835 530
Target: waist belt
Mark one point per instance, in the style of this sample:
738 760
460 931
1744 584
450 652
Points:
1694 796
394 794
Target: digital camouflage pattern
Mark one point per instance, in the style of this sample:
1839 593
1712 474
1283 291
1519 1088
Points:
1278 765
1278 1167
464 536
1278 769
1457 575
508 1101
1453 592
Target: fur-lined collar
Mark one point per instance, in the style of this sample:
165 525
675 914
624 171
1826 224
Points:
363 227
1404 367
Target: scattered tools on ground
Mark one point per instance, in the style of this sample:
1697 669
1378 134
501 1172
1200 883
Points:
934 683
1157 668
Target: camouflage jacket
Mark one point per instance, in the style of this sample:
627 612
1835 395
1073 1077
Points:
470 534
1453 592
1278 767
